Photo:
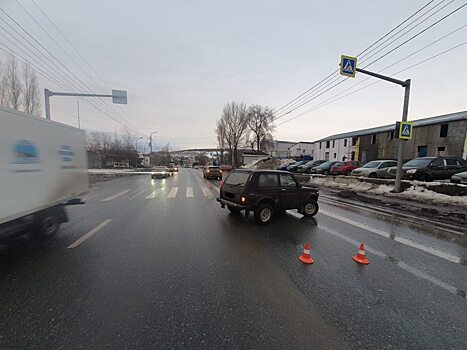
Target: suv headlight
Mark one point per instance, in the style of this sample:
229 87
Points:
411 171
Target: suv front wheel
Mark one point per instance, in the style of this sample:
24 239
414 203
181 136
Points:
310 208
263 213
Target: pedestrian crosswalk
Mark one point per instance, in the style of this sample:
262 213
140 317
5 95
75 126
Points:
156 193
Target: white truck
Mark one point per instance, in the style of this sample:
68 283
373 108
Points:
43 167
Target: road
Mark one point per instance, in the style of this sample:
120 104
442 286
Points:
157 264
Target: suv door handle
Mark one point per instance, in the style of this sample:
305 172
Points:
283 189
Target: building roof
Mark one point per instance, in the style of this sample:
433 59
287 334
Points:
300 142
445 118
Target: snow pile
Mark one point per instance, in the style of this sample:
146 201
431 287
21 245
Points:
414 193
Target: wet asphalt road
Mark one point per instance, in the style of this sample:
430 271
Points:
177 271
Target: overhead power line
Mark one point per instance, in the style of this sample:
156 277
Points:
106 84
311 98
102 103
362 52
376 82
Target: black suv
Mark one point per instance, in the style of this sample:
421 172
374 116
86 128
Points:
265 192
431 168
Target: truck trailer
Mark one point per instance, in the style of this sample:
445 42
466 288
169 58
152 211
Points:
43 168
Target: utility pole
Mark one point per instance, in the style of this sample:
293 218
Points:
405 111
79 122
118 97
348 67
150 145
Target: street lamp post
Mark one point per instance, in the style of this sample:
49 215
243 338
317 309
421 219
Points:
150 145
137 143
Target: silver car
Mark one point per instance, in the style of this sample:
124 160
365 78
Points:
375 169
459 178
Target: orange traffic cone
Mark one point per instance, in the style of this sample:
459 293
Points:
306 257
360 257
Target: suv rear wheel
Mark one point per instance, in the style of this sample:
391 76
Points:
263 213
310 208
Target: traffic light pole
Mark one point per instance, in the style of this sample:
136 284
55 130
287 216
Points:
405 110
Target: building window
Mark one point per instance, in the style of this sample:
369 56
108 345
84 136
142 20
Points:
352 157
441 151
333 143
327 144
354 141
320 144
391 135
443 132
345 142
335 156
422 151
373 139
326 156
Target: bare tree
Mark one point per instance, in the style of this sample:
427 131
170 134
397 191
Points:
14 87
221 142
3 87
260 121
31 90
236 129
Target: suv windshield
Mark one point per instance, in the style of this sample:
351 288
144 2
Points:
372 165
418 163
237 178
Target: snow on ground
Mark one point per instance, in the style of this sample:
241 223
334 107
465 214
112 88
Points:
414 193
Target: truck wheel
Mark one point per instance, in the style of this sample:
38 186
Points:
263 213
233 210
47 226
310 208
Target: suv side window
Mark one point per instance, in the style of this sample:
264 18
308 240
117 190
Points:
438 162
267 180
287 181
450 161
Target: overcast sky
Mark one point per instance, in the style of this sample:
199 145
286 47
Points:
181 61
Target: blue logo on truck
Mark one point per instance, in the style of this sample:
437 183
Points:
66 153
25 152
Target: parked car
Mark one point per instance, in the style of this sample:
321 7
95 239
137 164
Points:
293 167
212 171
305 168
265 192
459 178
431 168
345 168
375 169
324 168
285 166
160 172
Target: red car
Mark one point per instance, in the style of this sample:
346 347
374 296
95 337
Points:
345 168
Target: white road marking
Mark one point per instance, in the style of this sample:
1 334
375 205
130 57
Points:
173 192
401 240
400 264
115 196
89 234
154 194
137 194
189 192
206 192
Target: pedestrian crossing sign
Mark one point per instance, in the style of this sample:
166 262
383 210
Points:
405 130
348 66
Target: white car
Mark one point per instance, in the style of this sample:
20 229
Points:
160 172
